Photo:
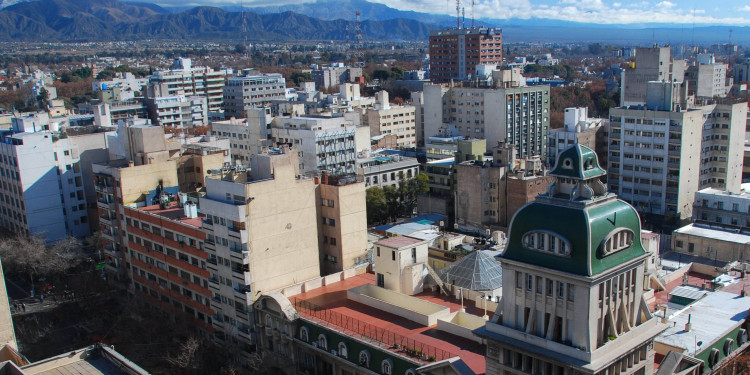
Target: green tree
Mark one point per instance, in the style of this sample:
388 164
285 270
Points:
298 77
376 206
43 98
413 188
381 74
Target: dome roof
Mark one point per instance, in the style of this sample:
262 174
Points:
577 162
588 238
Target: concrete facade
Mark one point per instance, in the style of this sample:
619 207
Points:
396 120
247 136
578 129
187 80
252 90
399 264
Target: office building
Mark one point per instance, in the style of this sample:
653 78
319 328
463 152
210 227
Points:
516 115
252 90
455 53
185 79
177 112
573 281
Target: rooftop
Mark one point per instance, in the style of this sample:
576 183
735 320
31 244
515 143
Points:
93 360
399 242
715 234
329 306
173 212
744 192
711 317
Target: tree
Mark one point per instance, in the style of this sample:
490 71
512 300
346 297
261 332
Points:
31 256
186 358
376 206
43 98
413 188
381 74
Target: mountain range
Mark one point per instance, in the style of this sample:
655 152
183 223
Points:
104 20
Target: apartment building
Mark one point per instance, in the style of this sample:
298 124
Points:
708 79
247 135
572 282
325 143
45 181
382 170
653 158
342 219
516 115
252 90
261 233
166 260
578 128
334 75
177 112
489 192
385 119
455 53
723 208
185 79
651 64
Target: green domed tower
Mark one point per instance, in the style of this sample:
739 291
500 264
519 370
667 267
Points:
573 276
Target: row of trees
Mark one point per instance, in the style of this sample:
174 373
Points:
391 202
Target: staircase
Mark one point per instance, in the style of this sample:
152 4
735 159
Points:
437 279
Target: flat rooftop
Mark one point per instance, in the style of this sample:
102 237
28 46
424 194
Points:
173 212
715 234
332 300
399 242
744 192
93 360
711 317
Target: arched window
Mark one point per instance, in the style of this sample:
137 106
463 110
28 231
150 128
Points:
410 371
546 241
304 334
322 342
728 346
618 239
364 358
386 367
343 350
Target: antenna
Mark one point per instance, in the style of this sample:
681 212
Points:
472 14
458 14
730 47
463 17
244 27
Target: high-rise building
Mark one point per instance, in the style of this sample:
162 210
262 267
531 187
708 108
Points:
651 64
455 53
573 281
251 90
516 115
397 120
247 135
184 79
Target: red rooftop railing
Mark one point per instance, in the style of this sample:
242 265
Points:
393 341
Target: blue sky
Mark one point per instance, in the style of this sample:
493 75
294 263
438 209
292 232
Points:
700 12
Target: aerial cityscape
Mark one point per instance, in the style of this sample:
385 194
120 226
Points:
356 187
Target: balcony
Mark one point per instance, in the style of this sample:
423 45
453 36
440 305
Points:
105 203
104 189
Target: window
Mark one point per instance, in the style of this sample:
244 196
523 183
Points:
386 367
304 334
560 289
393 254
529 282
617 240
378 250
364 358
322 342
343 350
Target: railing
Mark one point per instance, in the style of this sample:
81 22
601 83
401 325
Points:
393 341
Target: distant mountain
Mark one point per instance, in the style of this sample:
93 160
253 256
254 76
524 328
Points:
96 20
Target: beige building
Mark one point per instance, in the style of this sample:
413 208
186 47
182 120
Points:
247 135
712 243
400 264
392 120
651 64
489 192
343 245
578 129
573 282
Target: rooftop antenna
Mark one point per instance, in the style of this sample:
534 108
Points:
472 14
463 17
244 27
731 48
458 14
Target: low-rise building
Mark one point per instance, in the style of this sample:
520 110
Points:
392 120
383 170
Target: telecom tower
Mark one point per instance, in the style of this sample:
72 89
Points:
354 37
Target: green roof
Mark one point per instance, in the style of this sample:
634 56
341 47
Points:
584 227
577 162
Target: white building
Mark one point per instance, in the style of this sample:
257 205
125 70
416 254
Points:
178 111
252 90
247 135
187 80
400 264
324 143
579 128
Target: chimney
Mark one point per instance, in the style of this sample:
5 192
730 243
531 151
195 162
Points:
688 326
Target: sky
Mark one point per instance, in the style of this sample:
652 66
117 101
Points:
686 12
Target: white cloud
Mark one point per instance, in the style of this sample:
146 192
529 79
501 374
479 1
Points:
666 4
616 4
746 8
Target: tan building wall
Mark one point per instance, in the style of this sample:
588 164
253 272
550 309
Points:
137 179
192 170
344 244
712 248
400 121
